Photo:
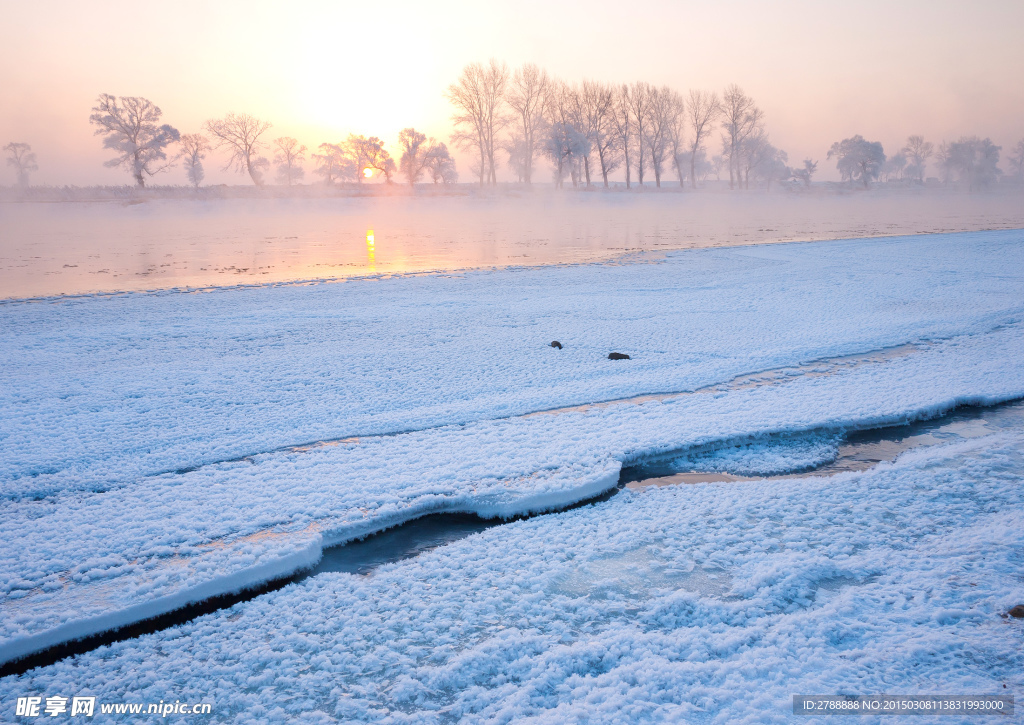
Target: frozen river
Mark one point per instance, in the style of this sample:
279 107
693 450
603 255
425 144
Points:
82 247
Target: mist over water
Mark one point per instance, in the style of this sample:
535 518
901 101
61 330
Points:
51 249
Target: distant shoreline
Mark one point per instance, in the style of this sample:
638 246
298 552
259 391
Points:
472 190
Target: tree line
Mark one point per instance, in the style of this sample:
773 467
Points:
586 131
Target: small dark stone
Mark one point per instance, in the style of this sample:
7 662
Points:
1017 611
618 356
556 343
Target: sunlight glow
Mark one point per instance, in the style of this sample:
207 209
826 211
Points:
367 172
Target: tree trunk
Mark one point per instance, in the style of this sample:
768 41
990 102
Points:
693 167
625 157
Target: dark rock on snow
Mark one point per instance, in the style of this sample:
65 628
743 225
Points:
1017 611
618 356
556 343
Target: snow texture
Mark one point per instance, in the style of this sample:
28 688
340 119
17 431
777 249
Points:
709 603
163 448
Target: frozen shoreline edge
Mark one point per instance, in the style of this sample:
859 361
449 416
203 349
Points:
307 558
295 563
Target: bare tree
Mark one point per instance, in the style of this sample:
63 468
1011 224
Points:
440 165
741 119
129 125
702 110
917 152
193 150
527 96
598 125
289 157
681 155
240 134
333 163
414 149
664 111
21 157
975 161
624 127
806 172
639 99
478 96
370 155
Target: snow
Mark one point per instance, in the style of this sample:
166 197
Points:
162 448
708 603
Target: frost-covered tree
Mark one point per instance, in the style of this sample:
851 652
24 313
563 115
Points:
917 152
806 172
440 165
702 110
515 147
333 163
193 150
289 155
583 116
240 135
701 167
1017 161
894 167
974 161
857 159
741 120
479 99
21 157
566 146
414 150
762 161
131 128
718 163
527 97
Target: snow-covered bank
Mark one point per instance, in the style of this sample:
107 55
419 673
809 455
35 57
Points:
708 603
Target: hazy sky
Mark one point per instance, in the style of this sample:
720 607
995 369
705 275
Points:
320 70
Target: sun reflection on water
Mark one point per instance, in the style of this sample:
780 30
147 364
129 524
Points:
370 243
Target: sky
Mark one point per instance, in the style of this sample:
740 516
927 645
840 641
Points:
318 71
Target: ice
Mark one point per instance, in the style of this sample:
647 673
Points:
164 448
709 603
780 454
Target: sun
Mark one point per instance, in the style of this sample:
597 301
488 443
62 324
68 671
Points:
367 172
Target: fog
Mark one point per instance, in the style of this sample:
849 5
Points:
821 72
75 248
